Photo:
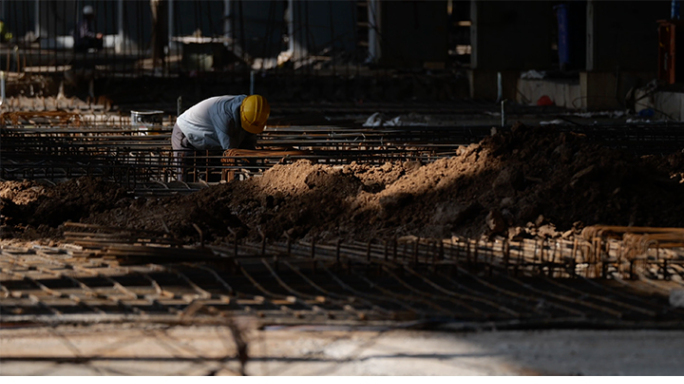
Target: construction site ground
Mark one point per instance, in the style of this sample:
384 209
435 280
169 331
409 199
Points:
136 349
528 179
413 244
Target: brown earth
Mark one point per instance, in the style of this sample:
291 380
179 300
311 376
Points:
673 164
528 182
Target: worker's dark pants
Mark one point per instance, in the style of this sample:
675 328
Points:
181 148
184 157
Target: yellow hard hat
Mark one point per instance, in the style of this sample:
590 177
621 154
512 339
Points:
254 112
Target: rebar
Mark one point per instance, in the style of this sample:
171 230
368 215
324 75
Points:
120 275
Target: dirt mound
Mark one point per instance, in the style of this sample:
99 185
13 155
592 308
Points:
209 209
527 182
538 179
537 175
20 192
34 204
33 210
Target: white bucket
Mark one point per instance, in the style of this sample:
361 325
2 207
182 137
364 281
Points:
147 121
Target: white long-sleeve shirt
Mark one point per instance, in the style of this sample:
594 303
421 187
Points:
215 124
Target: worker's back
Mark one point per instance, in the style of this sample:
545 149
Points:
215 123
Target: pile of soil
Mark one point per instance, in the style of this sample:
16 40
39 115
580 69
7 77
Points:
526 182
38 210
30 210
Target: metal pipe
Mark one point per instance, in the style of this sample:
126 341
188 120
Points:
228 20
251 82
374 20
2 88
499 87
120 25
289 19
170 26
37 20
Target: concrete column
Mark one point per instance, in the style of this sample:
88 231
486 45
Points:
590 35
170 16
374 48
120 27
160 33
296 28
474 26
289 19
227 19
37 20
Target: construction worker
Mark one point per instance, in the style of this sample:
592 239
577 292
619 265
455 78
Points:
222 122
84 37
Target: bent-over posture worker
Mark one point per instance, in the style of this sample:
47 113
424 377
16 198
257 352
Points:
222 122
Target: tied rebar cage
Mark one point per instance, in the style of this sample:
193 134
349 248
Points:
57 146
108 274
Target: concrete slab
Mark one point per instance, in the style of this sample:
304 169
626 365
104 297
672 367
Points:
202 350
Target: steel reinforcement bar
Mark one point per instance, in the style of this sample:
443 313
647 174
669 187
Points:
105 274
143 159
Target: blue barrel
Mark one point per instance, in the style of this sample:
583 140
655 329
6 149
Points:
563 35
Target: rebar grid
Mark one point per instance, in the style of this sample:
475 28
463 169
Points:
134 158
105 274
142 160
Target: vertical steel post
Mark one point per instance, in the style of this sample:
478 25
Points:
37 20
499 87
374 47
170 21
289 18
227 21
251 82
2 87
120 26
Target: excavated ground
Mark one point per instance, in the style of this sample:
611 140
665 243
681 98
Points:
523 183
